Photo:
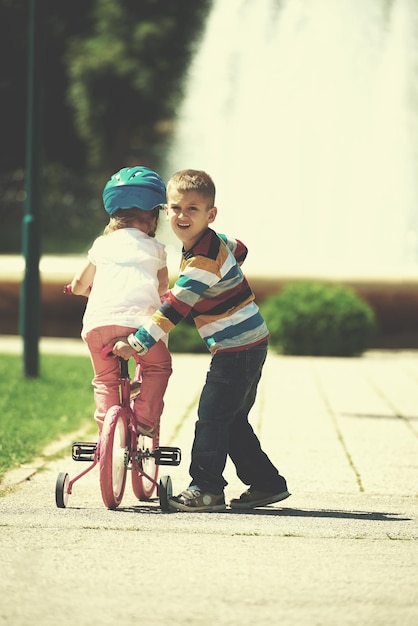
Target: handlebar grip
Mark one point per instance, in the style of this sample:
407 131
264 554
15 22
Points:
107 354
67 289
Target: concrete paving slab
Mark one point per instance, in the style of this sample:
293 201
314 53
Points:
343 549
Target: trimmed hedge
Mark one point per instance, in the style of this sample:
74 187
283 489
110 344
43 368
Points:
318 319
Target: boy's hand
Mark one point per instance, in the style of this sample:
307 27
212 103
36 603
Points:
123 349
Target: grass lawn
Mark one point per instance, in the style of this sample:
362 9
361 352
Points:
36 411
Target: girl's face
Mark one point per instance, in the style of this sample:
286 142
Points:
189 215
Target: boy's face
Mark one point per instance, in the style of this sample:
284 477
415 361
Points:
189 215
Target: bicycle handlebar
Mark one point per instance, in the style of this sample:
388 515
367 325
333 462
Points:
67 289
107 354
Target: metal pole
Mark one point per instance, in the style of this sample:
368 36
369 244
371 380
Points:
29 313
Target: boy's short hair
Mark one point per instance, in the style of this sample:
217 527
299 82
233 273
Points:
193 180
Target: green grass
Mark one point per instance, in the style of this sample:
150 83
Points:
36 411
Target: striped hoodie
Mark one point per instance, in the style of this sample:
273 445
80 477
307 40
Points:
213 290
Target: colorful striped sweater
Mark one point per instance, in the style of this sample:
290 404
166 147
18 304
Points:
213 290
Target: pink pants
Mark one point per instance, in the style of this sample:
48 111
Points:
156 370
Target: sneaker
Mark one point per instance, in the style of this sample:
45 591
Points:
147 431
135 389
252 498
193 500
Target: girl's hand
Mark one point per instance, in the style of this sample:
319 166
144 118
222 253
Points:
123 349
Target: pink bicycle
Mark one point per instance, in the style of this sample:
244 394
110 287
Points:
120 449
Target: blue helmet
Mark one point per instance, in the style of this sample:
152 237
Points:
134 187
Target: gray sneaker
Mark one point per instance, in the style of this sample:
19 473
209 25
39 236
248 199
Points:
253 498
146 431
135 389
193 500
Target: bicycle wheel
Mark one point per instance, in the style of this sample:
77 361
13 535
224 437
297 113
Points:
113 456
142 487
61 490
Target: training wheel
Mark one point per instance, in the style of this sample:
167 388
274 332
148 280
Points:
165 491
61 490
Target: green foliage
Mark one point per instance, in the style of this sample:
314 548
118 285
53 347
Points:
72 213
110 85
319 319
185 338
36 411
125 75
59 21
112 73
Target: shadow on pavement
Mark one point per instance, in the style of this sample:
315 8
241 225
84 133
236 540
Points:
360 515
325 513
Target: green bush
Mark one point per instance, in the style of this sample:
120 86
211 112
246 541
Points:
185 338
318 319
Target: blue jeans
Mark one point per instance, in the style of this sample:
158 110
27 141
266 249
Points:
223 429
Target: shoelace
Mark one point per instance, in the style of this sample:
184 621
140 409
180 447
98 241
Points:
190 494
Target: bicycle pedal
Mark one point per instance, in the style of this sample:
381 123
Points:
166 455
83 451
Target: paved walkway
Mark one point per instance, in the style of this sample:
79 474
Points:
343 550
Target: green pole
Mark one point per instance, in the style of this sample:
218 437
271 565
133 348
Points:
29 313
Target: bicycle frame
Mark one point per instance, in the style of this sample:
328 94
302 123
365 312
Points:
134 456
136 452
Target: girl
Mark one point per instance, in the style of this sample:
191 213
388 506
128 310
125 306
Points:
124 278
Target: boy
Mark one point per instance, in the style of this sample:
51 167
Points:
212 288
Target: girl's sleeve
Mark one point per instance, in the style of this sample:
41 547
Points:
163 259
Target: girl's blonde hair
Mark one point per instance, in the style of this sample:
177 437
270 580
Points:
129 218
